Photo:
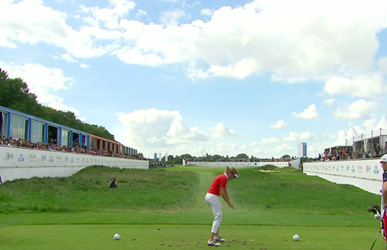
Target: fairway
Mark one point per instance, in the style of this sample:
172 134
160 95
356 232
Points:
263 212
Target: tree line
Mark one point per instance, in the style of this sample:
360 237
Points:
16 95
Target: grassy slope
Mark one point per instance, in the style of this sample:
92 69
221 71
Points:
176 196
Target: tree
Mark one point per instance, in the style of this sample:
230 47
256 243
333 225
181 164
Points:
178 160
16 95
286 157
186 156
242 156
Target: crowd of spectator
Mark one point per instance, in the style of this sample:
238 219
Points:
345 153
52 145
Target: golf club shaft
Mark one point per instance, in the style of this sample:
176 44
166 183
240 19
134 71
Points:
375 240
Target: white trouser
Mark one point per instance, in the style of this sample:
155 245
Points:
214 202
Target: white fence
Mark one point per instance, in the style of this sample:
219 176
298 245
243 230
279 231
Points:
365 174
17 163
236 164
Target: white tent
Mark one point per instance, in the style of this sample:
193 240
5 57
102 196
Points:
342 140
382 123
352 133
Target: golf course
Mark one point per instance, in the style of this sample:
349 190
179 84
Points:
164 208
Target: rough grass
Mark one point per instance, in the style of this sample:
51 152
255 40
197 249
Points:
88 190
291 191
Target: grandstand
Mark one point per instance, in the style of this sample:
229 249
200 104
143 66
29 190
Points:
18 125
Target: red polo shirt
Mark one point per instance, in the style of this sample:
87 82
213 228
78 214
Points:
217 183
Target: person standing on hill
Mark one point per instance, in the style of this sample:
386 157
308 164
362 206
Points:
219 188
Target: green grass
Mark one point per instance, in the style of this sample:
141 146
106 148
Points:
165 209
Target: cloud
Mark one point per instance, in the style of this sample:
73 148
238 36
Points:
309 113
48 26
221 131
153 130
358 86
65 108
84 66
257 37
304 136
172 17
206 12
356 110
369 124
68 58
270 141
328 102
109 17
329 134
140 13
42 81
285 148
383 65
279 124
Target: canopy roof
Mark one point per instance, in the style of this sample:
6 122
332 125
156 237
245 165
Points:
341 141
352 133
382 123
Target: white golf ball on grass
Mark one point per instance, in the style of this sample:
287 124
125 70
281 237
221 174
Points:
116 236
296 237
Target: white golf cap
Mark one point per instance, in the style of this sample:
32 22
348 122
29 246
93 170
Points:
234 172
384 158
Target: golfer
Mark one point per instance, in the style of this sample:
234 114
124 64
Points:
219 188
383 161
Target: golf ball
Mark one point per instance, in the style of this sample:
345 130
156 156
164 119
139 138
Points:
296 237
252 240
116 236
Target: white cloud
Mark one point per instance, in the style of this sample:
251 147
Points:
356 110
328 102
206 12
221 131
110 16
153 130
304 136
369 124
172 17
383 65
63 107
315 42
285 148
42 81
84 66
44 25
68 58
279 124
359 86
317 148
329 134
140 13
270 141
309 113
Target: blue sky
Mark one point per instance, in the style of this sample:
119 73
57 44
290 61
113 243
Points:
197 77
